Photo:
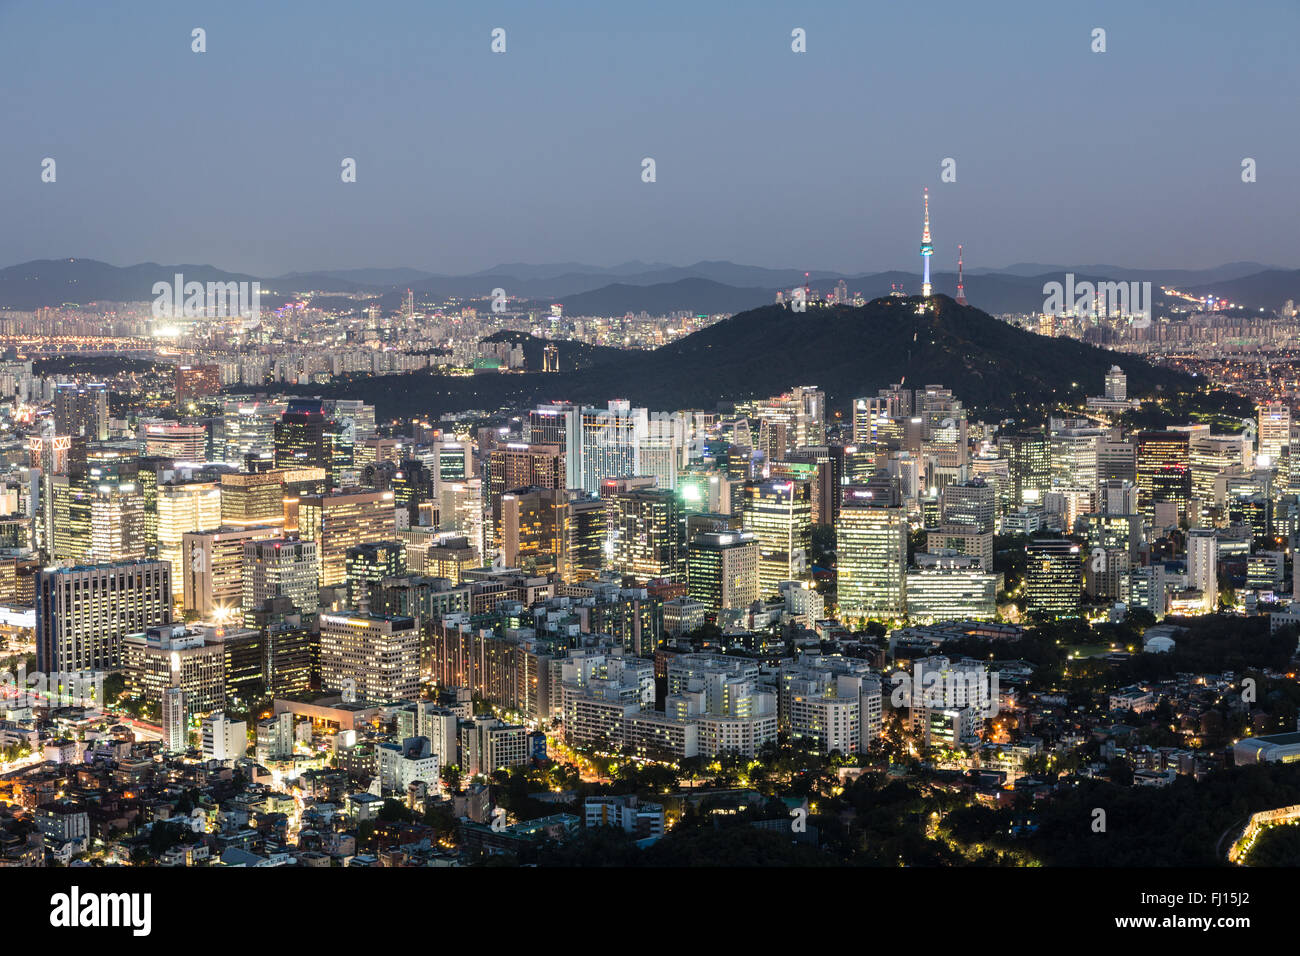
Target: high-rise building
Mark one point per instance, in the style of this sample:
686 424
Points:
281 568
1053 577
1211 456
558 425
488 744
175 721
1074 455
722 570
1029 458
81 412
645 534
796 419
50 453
211 569
1116 385
453 460
1144 587
871 556
1118 497
534 529
289 646
92 520
255 499
375 656
950 588
442 555
870 417
170 656
610 441
1163 471
414 485
341 519
355 417
1203 565
963 539
971 504
196 381
518 465
367 566
305 437
460 510
1274 432
185 506
1116 461
247 428
84 613
583 556
665 449
779 515
177 441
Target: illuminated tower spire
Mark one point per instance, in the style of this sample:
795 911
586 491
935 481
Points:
961 288
927 248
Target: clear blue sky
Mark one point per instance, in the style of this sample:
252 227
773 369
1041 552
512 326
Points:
468 158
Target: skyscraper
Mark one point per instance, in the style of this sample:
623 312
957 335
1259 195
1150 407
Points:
1202 565
304 436
339 520
375 656
722 570
177 441
534 529
81 412
94 519
185 506
779 515
871 556
1053 578
1274 432
253 499
1163 471
583 556
519 465
281 567
1029 458
367 566
211 570
610 443
174 720
83 613
289 646
645 534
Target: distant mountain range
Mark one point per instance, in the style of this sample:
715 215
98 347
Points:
994 367
709 287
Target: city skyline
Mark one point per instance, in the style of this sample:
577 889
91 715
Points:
467 438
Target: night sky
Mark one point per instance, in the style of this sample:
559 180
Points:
467 158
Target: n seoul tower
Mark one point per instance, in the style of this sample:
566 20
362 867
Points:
927 248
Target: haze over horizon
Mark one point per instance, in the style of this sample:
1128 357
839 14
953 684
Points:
633 267
467 159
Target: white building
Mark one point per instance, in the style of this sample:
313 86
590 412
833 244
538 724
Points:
1202 565
224 739
411 761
